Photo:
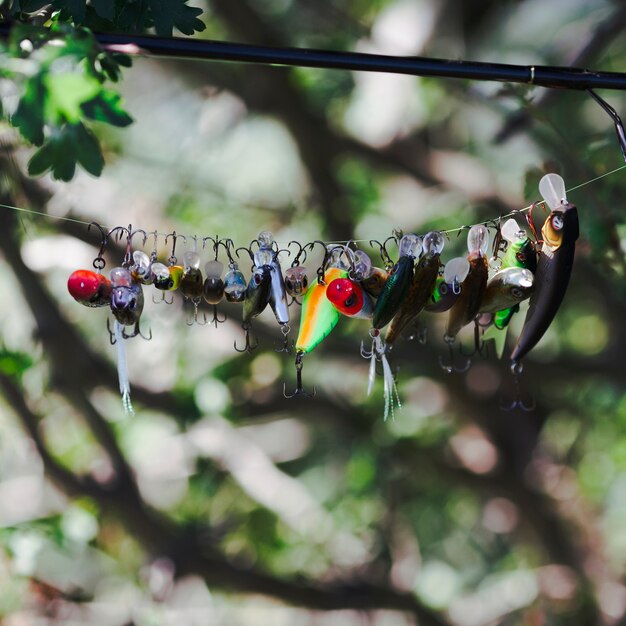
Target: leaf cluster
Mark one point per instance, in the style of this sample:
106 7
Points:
136 16
61 75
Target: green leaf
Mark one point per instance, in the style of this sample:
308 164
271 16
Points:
72 144
104 8
29 115
107 107
66 93
71 9
88 150
168 14
132 16
14 363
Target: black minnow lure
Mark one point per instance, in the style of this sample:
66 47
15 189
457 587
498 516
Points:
554 267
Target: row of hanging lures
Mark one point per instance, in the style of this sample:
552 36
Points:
347 284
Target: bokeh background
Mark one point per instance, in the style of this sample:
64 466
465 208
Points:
222 502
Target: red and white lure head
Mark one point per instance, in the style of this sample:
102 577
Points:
349 298
89 288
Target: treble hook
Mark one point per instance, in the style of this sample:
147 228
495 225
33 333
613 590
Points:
228 244
300 256
299 390
163 299
518 403
137 333
617 120
153 254
248 250
294 300
321 270
172 260
214 240
287 345
384 255
195 317
112 338
452 367
99 261
216 317
479 346
248 346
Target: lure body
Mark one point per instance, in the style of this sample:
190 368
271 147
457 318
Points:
213 289
278 293
296 280
141 269
349 298
507 289
554 267
126 297
467 305
397 285
473 287
89 288
257 293
375 282
166 278
235 285
421 288
191 282
443 297
319 316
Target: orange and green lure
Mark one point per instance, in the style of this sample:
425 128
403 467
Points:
319 315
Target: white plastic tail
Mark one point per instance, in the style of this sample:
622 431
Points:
122 369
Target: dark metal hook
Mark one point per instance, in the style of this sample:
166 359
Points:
531 222
195 317
479 346
287 345
248 346
518 403
175 237
451 367
216 317
617 120
301 254
99 261
163 299
384 254
321 270
299 390
137 332
216 242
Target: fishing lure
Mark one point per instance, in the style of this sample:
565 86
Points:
554 266
91 289
421 288
213 289
234 280
350 298
473 287
448 286
167 277
296 276
397 285
507 289
126 305
318 316
278 292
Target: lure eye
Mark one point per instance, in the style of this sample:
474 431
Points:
132 304
350 300
557 222
521 257
257 279
516 292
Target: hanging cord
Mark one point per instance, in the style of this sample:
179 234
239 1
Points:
447 231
